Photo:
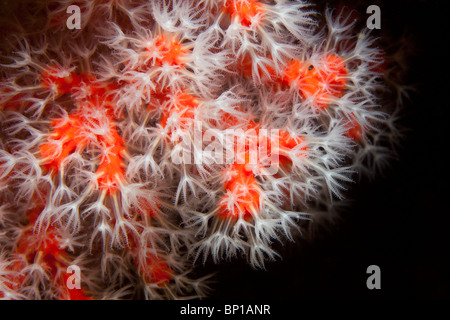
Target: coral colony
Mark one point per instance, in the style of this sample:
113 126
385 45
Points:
162 134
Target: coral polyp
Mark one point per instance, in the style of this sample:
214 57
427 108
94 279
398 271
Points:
162 134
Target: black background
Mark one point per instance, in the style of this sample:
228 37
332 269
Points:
400 221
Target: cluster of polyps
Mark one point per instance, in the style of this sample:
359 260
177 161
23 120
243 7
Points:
92 121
